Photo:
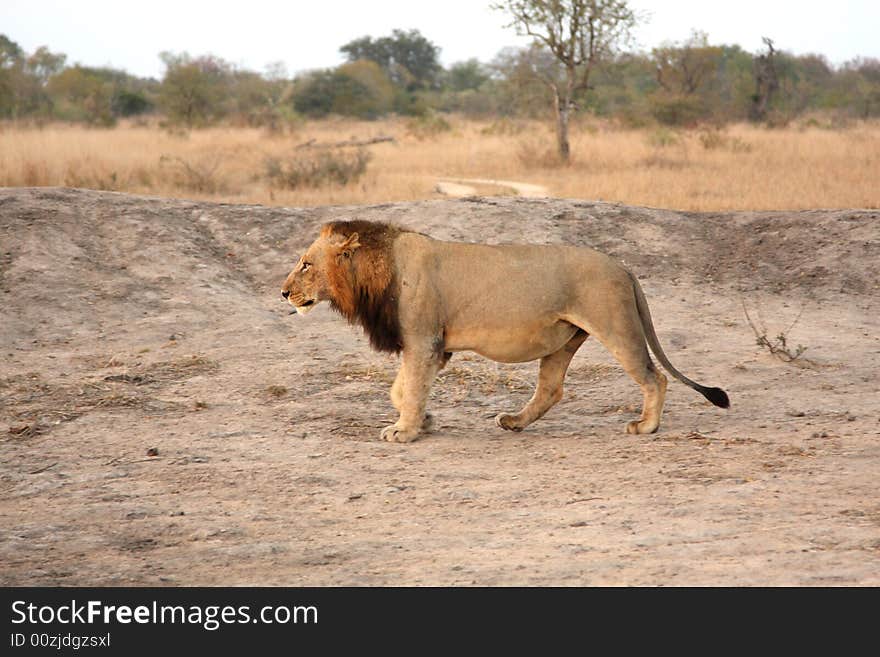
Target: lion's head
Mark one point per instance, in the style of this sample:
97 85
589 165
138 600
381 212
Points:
351 266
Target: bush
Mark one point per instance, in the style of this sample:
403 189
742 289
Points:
359 89
196 176
130 103
505 127
677 110
714 139
427 126
319 169
193 89
662 137
536 154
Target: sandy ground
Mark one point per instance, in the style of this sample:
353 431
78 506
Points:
165 421
461 187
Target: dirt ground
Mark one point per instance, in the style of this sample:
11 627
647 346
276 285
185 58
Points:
165 421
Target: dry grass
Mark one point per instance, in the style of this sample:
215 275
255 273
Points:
741 168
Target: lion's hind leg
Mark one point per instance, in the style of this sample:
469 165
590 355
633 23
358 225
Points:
633 355
620 331
549 390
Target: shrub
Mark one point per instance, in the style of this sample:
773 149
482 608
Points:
317 169
676 110
536 154
197 176
662 137
505 127
358 89
427 126
714 139
130 103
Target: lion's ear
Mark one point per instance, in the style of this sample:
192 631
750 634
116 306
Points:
349 246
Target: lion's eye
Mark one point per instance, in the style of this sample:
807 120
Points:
305 266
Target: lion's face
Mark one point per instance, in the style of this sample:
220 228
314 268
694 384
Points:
310 281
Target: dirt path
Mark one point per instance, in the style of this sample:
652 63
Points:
461 187
164 421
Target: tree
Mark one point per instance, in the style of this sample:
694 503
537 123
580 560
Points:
521 74
193 89
682 72
858 87
11 73
766 82
470 74
10 52
82 94
358 88
23 79
43 64
683 69
580 34
409 60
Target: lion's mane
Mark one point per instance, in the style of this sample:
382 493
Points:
363 287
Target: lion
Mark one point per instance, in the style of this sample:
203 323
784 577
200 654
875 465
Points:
427 299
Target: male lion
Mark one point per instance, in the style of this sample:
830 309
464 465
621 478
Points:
511 303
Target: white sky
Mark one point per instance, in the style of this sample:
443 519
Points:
307 34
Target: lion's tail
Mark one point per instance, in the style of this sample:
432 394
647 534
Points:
715 395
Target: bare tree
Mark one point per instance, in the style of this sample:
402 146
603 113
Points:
579 34
683 68
766 82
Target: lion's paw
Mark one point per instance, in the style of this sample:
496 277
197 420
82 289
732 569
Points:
395 434
641 427
508 422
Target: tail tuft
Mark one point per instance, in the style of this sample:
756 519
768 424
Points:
717 396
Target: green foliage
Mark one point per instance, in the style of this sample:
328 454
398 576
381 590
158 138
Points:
82 94
676 109
23 79
689 83
409 60
10 52
468 75
359 89
130 103
379 93
194 89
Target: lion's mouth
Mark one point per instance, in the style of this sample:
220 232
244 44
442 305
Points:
304 307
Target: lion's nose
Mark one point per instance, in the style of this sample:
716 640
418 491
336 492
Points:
285 294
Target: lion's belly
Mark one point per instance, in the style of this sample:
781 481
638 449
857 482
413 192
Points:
510 344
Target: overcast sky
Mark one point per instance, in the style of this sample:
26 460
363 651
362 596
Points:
306 35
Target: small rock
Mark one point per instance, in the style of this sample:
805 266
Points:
153 451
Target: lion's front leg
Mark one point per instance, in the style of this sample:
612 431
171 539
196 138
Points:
409 393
